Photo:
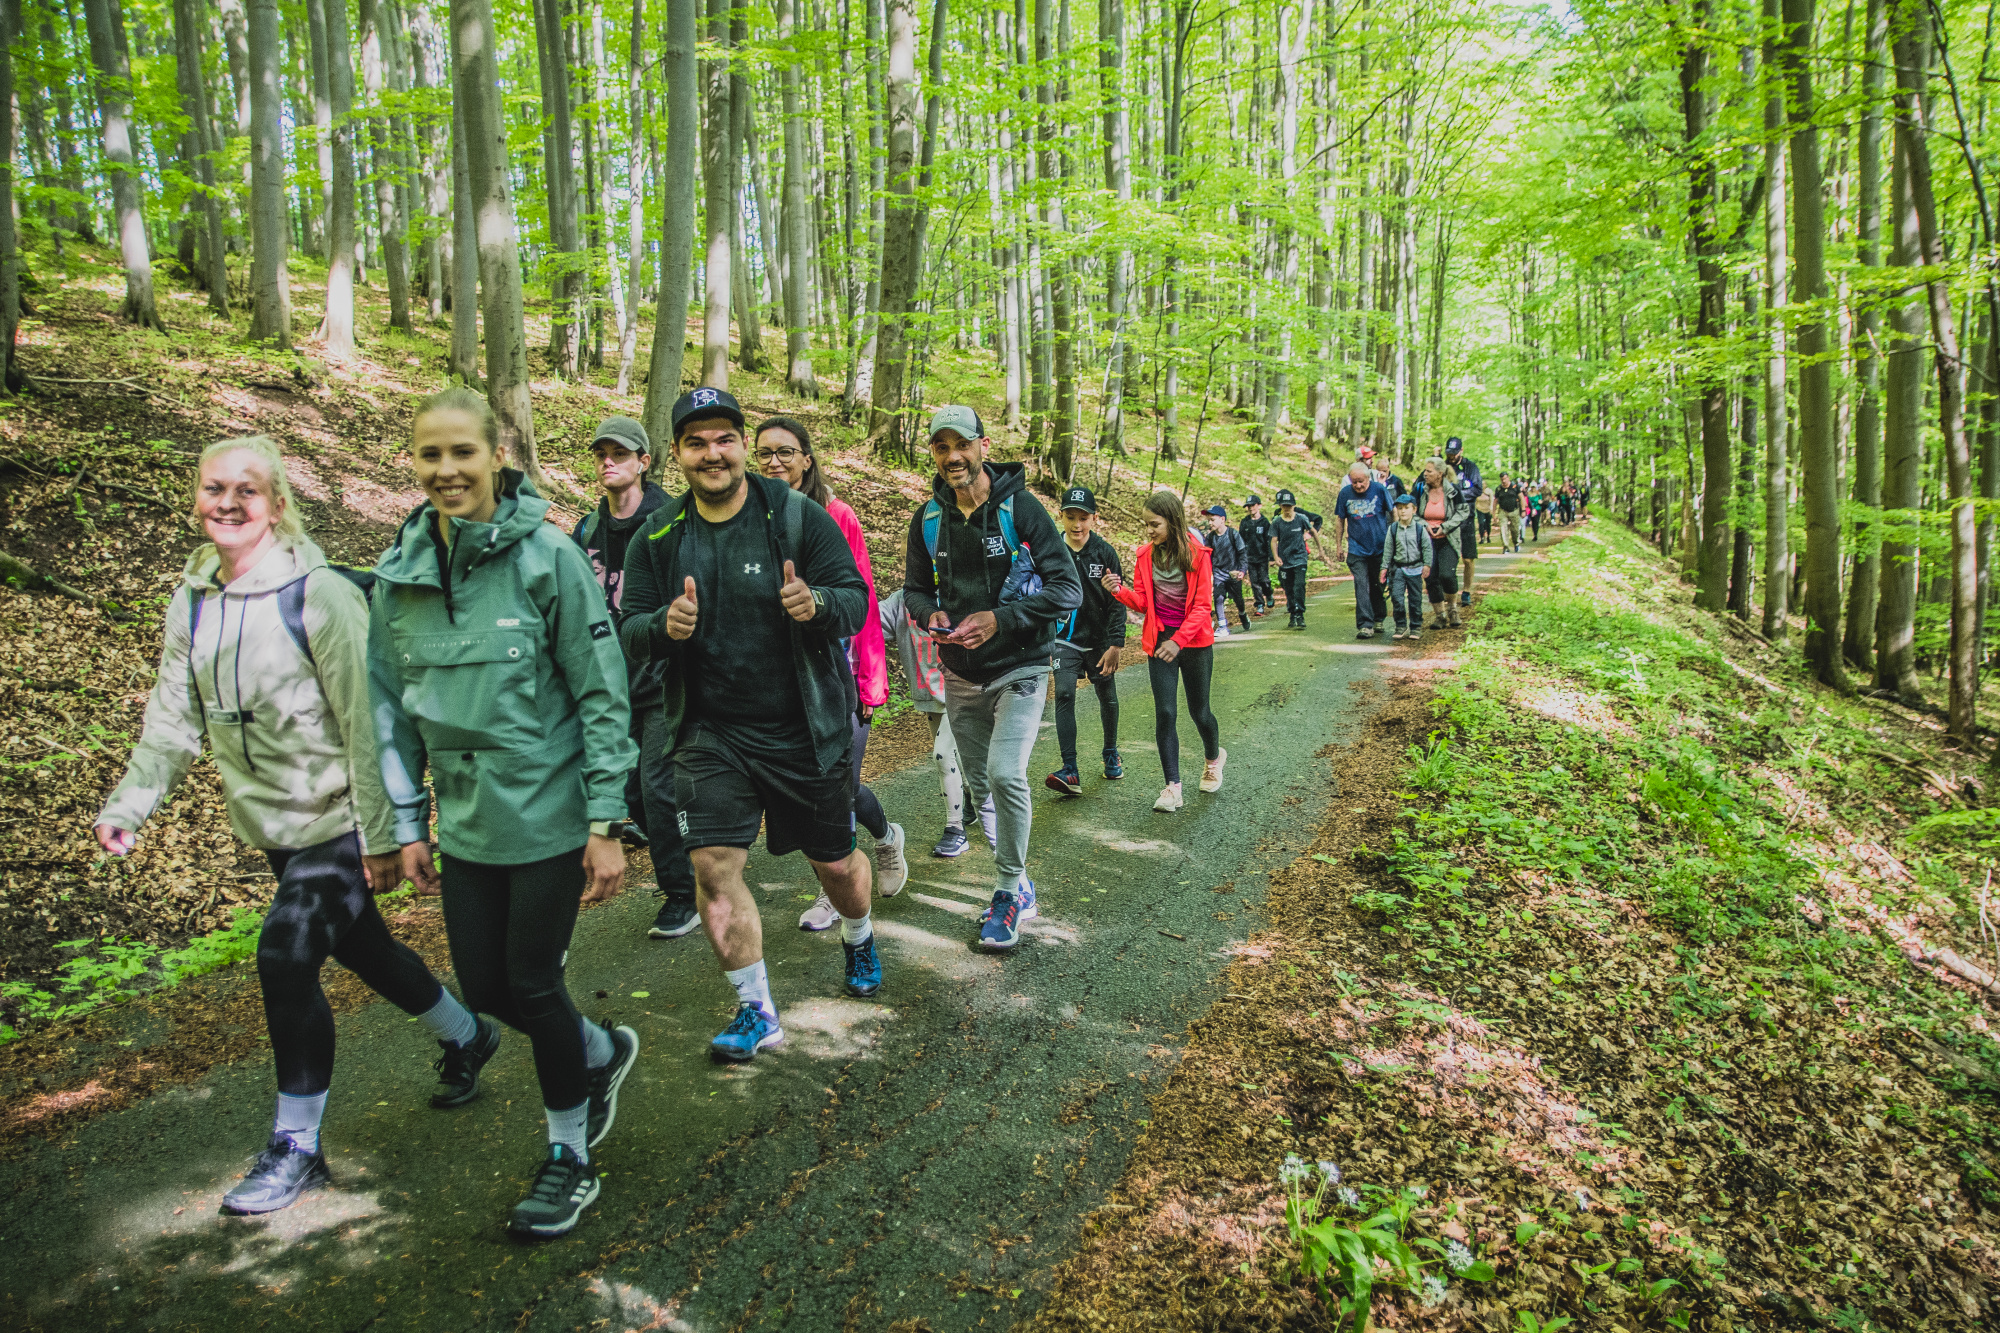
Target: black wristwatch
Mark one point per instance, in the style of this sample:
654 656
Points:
614 828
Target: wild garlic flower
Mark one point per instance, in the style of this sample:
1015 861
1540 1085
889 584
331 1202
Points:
1294 1172
1457 1256
1434 1289
1351 1197
1331 1172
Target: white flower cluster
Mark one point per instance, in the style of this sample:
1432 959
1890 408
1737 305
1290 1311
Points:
1457 1256
1433 1290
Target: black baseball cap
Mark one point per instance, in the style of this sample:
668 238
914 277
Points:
1253 500
1079 497
1285 498
1454 445
703 403
1216 511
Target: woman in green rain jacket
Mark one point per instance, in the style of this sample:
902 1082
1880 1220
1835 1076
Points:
495 670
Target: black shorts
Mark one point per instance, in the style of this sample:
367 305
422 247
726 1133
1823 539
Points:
1468 545
724 793
1081 662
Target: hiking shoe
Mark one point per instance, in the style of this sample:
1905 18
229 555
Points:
1024 900
1211 772
276 1179
1400 634
1365 632
1465 598
892 872
677 917
1065 780
1170 798
864 967
563 1187
458 1068
952 844
1114 767
822 915
750 1032
604 1083
1000 928
1455 621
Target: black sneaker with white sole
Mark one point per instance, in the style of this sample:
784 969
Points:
458 1068
563 1187
277 1178
952 845
677 917
604 1083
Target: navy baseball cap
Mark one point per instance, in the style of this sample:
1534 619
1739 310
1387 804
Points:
1217 511
1454 445
1285 498
1079 497
1402 500
703 403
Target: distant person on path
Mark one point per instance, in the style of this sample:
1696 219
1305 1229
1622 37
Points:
1089 641
1442 505
1466 472
266 653
1583 498
495 672
744 591
1482 508
923 673
1379 465
1171 587
784 453
1538 505
623 452
1510 502
1255 530
1291 531
1406 559
1232 567
1362 512
986 570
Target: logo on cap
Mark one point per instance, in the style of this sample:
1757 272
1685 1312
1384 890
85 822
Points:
1077 494
703 398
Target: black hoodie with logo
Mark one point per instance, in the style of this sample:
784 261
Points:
972 565
604 537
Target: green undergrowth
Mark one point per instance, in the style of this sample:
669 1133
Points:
113 971
1623 848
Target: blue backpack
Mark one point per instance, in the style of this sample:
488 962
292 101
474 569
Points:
1022 580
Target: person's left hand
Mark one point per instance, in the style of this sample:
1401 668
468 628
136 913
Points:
1108 664
867 713
975 629
603 868
385 872
1167 650
796 597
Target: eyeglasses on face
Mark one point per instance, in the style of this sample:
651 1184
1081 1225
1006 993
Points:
787 455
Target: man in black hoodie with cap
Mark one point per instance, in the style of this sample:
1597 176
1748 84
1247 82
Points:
987 574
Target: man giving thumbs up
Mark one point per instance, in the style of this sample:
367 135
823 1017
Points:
757 694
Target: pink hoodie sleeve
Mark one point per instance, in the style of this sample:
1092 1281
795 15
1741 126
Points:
866 652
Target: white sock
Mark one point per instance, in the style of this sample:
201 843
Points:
450 1021
597 1047
570 1128
753 987
298 1120
854 929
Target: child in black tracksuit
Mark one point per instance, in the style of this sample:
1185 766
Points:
1088 641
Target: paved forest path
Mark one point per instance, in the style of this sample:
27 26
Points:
922 1154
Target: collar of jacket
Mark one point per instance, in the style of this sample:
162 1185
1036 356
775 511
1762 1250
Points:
1003 480
412 557
288 559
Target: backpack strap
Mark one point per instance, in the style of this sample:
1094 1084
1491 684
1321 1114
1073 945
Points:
795 522
1007 533
195 599
292 611
933 516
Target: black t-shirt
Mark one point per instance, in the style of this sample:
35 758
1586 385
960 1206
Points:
740 685
1508 497
617 535
1256 534
1288 535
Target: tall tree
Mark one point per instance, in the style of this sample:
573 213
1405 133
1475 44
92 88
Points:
105 24
336 327
799 376
1902 426
1777 378
271 228
1711 589
379 52
718 202
677 176
1858 639
10 255
1118 179
558 159
189 81
635 177
900 219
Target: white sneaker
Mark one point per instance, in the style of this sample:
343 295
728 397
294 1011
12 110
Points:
1211 773
891 870
1170 798
821 915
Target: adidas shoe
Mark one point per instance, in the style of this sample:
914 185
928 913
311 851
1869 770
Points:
1000 928
276 1179
1065 780
892 872
458 1068
750 1032
604 1083
563 1187
952 845
822 915
1114 767
1024 901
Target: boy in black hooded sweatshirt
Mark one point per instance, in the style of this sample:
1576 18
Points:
1088 641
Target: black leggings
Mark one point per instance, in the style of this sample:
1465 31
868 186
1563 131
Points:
1069 666
868 811
1444 572
323 908
1231 588
510 928
1194 667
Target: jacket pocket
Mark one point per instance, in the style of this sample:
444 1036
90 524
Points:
471 690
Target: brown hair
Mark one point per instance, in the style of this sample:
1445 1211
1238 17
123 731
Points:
461 399
811 485
1177 548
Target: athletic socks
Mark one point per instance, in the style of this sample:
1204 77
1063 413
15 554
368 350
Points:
571 1128
448 1020
854 929
754 987
597 1047
298 1120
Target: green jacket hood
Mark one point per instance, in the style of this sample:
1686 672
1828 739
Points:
289 558
412 557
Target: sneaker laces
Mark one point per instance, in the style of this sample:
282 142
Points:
451 1066
1008 911
274 1152
551 1182
745 1022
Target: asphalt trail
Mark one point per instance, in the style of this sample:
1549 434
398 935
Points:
926 1153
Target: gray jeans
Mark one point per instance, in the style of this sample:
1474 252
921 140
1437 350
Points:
995 727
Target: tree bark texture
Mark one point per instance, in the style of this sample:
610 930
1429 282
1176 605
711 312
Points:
114 100
189 21
677 178
336 329
271 230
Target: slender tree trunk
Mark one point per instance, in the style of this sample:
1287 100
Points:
464 259
114 99
1118 177
270 286
10 254
322 95
336 329
558 148
1902 436
1712 566
1864 587
635 218
677 177
799 376
718 203
899 232
476 84
1777 375
188 25
1062 316
742 132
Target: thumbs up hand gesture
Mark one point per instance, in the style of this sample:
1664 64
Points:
797 597
681 614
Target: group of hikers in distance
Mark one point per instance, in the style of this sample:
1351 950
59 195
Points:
680 672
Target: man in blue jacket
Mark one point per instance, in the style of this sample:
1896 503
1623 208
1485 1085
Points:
988 575
742 593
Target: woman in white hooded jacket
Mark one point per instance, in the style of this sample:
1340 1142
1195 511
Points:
266 653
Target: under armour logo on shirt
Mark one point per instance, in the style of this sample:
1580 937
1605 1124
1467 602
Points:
704 397
752 569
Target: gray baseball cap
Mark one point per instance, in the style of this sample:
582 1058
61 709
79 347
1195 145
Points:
958 417
625 431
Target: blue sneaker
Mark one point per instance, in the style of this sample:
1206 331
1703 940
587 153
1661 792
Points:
1000 923
1114 768
1065 780
864 967
1024 899
752 1031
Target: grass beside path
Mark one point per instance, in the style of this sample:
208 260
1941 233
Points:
1650 965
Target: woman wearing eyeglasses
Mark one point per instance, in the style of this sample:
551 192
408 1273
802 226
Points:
783 452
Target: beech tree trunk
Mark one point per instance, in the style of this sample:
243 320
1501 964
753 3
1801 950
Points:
899 223
378 55
271 230
188 25
1864 587
799 376
635 175
718 205
677 177
464 257
1712 564
10 254
558 147
336 329
114 100
1777 404
1902 436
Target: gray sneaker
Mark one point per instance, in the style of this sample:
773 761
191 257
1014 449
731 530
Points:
891 870
821 915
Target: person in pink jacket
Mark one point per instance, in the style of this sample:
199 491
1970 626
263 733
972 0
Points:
783 451
1170 587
